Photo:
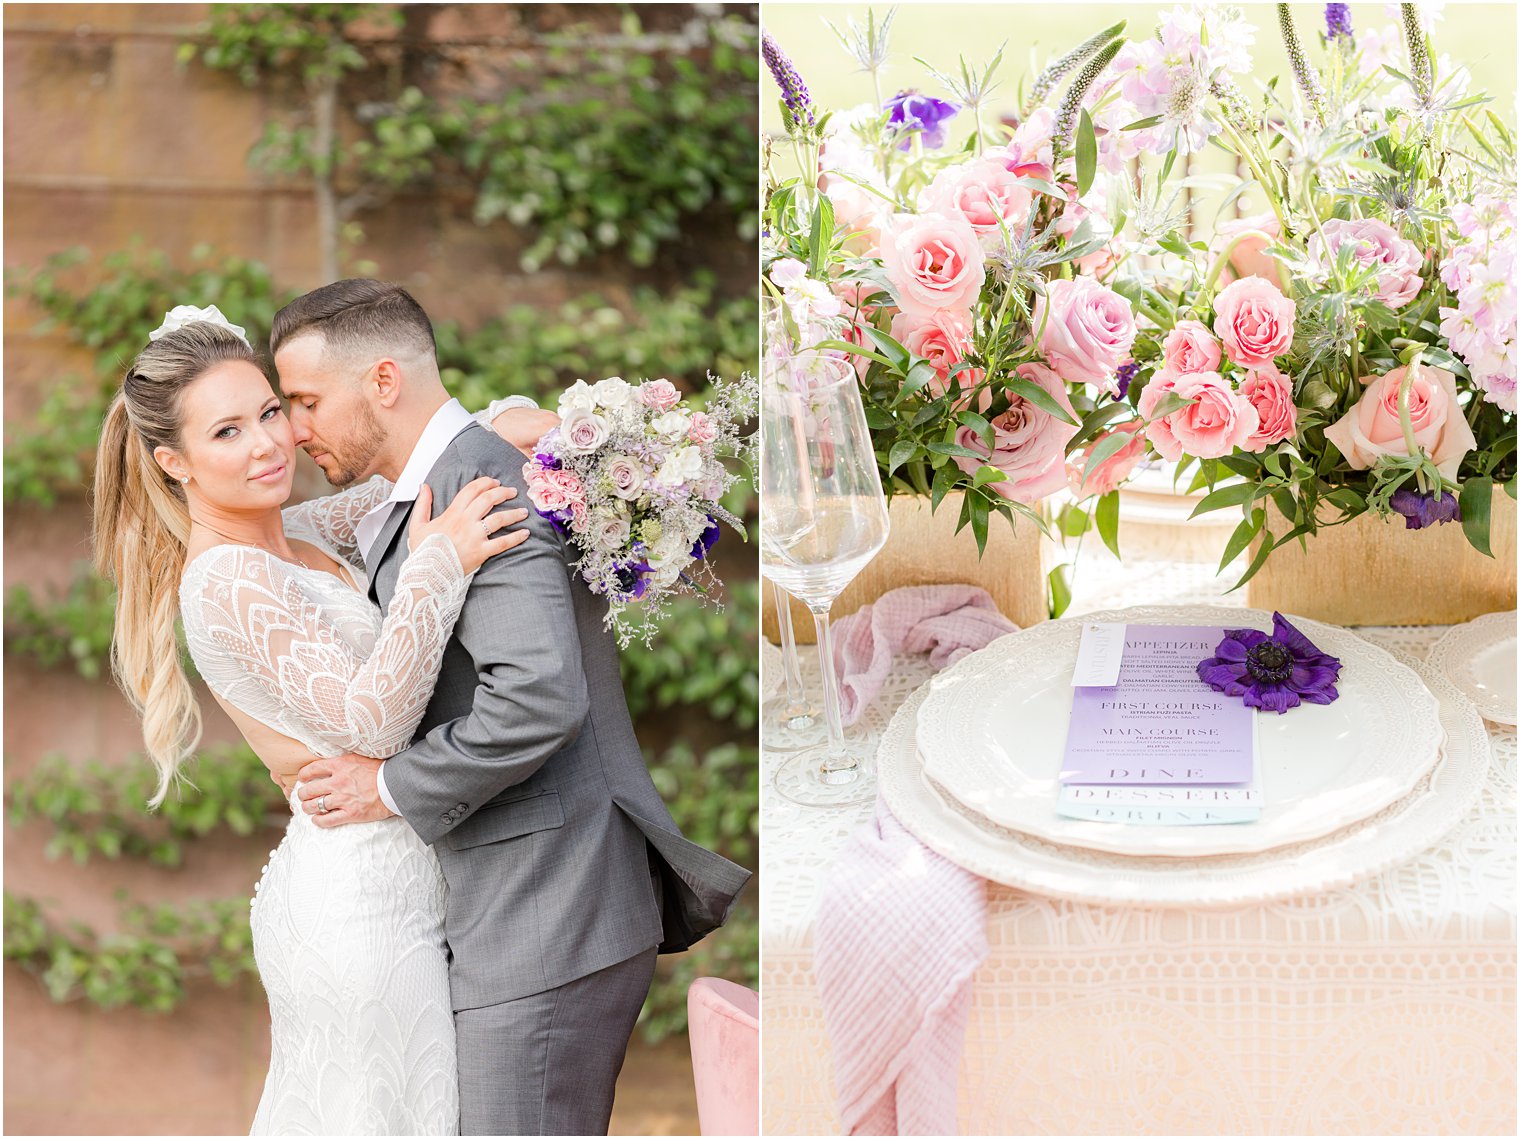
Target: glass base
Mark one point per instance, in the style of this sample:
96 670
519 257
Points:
804 779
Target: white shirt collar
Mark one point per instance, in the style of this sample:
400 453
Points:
447 422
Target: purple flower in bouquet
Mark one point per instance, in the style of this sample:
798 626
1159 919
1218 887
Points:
706 540
1422 510
794 92
1338 21
1124 376
632 579
910 112
1273 671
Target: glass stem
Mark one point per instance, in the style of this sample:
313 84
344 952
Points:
831 712
791 668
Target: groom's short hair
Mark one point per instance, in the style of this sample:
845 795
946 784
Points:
356 316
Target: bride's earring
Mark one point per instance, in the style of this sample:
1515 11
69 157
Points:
185 481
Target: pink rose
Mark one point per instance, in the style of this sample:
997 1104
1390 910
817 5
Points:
859 211
1089 330
1158 428
1271 394
1219 420
583 431
626 476
1248 257
1398 262
1029 444
1030 152
659 394
1100 261
702 430
943 339
1371 429
984 192
552 491
1112 471
934 262
1190 348
1254 320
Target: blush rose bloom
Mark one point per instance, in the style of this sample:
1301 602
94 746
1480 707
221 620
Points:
1248 258
942 338
1254 320
1158 429
983 191
701 430
1371 429
1271 394
934 262
627 476
1112 471
1190 348
1211 427
1029 444
659 394
1089 330
583 431
552 491
1378 244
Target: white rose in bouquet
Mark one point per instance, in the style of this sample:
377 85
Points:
614 393
683 465
577 397
582 431
673 424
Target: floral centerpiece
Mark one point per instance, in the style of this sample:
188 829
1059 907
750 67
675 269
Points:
634 477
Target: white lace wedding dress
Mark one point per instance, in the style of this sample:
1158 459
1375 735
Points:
347 921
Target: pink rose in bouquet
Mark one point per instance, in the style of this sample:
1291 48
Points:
859 211
1030 152
943 339
555 492
934 262
1111 472
1088 332
1372 429
662 395
1158 428
1376 243
1271 394
984 192
1254 320
1029 444
1189 348
1248 258
702 431
1214 424
1105 257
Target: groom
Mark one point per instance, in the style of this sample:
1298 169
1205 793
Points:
566 873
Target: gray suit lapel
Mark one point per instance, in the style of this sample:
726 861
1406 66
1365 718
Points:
400 513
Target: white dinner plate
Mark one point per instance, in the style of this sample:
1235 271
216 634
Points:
1440 799
1479 658
992 733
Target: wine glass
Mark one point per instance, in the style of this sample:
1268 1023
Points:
822 518
795 711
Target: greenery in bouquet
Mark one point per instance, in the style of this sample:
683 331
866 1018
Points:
1030 312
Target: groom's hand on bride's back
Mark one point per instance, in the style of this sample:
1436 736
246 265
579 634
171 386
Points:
342 790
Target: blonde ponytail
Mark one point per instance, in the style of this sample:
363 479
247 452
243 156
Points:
141 525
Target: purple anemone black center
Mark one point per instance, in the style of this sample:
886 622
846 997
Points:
1269 663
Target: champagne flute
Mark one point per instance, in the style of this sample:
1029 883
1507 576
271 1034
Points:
823 517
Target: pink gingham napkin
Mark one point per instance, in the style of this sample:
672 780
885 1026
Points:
945 621
901 930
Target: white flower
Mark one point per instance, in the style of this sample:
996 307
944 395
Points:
181 315
626 476
682 465
667 576
673 423
581 432
610 532
613 393
577 397
672 549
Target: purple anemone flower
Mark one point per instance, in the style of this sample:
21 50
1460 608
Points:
1338 21
1125 376
632 580
707 539
911 112
1275 671
545 460
1422 510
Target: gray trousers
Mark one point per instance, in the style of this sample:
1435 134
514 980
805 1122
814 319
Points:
548 1064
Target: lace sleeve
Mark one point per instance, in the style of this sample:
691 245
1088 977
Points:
270 648
332 518
487 417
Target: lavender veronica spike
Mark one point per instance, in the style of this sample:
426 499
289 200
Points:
1338 21
1303 70
794 92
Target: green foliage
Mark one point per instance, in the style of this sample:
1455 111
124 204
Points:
145 965
74 629
100 810
725 642
311 42
527 351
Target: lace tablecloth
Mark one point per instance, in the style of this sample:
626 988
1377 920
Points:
1385 1008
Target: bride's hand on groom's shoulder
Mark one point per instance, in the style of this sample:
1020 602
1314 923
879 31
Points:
342 790
469 522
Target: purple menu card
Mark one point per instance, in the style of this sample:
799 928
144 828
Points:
1159 724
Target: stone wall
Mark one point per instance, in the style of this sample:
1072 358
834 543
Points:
108 141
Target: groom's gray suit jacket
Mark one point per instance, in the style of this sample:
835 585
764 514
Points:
526 777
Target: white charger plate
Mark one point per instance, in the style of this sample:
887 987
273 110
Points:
1479 658
992 733
1440 799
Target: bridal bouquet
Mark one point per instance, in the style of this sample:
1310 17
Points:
635 477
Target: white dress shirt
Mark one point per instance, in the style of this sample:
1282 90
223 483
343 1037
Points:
447 422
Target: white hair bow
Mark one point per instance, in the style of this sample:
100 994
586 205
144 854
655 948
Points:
181 315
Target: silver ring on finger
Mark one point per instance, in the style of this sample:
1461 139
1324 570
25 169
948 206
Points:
486 522
322 807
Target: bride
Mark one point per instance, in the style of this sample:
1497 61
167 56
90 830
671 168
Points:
195 463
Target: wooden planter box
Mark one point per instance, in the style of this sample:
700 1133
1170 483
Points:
924 549
1376 572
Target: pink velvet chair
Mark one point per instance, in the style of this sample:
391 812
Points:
725 1055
